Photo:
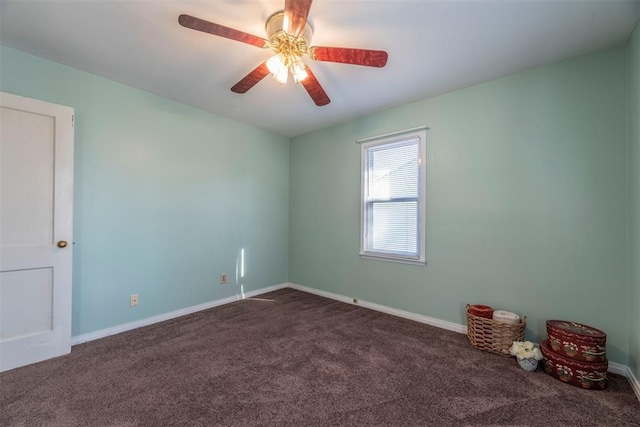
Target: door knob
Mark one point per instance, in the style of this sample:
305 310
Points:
62 244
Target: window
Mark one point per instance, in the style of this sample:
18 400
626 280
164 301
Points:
393 197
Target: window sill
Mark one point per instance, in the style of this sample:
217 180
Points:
390 258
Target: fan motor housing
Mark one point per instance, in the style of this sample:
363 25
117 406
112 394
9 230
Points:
275 23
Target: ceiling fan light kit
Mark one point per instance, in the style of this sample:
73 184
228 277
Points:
288 49
289 33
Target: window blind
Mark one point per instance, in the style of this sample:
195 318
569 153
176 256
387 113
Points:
392 195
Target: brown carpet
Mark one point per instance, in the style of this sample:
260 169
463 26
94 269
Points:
289 358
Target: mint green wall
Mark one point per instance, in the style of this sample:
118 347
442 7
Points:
166 196
634 201
526 201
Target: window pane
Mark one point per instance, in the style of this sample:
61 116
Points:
393 171
393 227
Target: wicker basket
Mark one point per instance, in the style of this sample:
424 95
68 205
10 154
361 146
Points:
493 336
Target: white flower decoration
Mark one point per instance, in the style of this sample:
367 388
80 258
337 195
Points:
525 350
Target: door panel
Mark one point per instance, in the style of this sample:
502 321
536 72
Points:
26 291
28 191
36 211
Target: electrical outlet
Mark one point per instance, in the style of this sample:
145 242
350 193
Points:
133 300
223 279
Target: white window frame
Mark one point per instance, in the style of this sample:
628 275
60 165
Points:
392 138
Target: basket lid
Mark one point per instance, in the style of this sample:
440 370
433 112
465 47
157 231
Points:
576 328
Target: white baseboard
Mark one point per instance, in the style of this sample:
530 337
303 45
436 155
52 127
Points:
635 383
625 371
79 339
443 324
615 368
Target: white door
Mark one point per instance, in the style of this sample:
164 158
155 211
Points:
36 213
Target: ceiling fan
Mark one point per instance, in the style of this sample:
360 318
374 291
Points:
288 34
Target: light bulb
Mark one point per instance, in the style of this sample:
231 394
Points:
298 70
275 64
282 75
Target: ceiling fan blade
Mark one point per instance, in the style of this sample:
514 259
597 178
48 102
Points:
251 79
198 24
314 89
369 58
295 16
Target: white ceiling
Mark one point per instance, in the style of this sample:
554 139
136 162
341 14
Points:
434 47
